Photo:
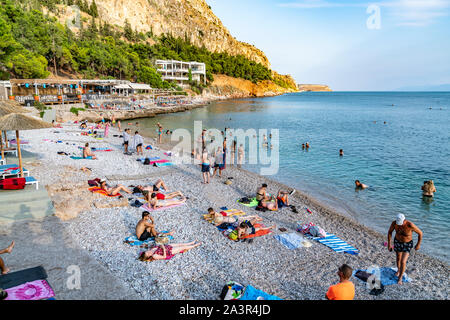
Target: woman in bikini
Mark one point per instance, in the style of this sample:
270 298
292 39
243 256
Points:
114 190
154 200
167 252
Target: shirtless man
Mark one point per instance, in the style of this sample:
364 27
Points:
403 242
145 228
87 153
113 190
155 198
156 186
359 185
218 218
205 166
3 268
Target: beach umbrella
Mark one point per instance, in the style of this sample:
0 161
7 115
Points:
7 107
20 121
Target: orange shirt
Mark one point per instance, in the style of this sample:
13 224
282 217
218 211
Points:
342 291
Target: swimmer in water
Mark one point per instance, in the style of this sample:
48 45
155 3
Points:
341 152
359 185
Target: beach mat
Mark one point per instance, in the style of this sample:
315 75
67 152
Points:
151 159
14 279
253 203
291 240
336 244
385 275
134 241
145 207
164 164
98 149
101 191
80 158
34 290
252 293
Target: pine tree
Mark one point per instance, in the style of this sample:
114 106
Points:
93 9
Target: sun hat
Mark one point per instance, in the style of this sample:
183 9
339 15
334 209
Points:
400 219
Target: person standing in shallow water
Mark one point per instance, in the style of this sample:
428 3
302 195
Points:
428 189
341 153
403 242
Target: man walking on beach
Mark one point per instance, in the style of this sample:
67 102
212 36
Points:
3 268
345 289
403 242
206 166
126 139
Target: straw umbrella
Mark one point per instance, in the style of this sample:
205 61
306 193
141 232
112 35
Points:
20 121
7 107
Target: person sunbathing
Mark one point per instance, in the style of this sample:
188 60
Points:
154 200
167 252
246 228
3 268
156 187
145 228
219 219
283 198
112 191
87 152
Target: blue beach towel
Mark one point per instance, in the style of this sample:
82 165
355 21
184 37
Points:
336 244
164 164
151 159
252 293
386 275
80 158
290 240
134 241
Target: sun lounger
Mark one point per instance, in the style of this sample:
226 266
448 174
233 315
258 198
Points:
11 170
32 181
11 150
2 161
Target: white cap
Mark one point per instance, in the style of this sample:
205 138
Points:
102 180
400 219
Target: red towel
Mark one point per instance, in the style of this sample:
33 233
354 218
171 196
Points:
12 184
103 192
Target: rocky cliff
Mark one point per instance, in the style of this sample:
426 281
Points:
313 87
181 18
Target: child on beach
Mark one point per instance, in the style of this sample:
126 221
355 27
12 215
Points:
126 139
246 228
3 268
167 252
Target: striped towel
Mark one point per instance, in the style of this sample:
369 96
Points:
336 244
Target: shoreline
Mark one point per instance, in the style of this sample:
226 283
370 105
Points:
307 272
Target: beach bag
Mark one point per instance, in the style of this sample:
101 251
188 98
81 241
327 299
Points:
232 291
304 228
147 161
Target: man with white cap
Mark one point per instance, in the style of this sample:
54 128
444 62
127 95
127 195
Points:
403 242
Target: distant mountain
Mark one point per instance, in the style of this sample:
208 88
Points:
440 87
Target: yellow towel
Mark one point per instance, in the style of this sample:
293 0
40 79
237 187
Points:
229 212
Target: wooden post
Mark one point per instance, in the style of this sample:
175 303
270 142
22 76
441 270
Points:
6 139
1 144
20 153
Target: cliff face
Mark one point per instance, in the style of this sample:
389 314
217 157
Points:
313 87
181 18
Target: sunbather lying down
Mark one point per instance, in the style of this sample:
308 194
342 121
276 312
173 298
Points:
112 191
146 229
218 218
154 188
246 228
167 252
159 200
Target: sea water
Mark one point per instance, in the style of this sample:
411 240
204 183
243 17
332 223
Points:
392 142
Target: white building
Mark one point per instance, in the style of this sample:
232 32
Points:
178 71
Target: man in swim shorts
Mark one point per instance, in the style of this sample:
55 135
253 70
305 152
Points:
205 166
403 242
145 228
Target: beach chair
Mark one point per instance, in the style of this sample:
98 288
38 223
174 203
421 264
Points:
6 172
11 150
32 181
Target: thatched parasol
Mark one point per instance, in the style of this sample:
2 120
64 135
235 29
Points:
7 107
20 121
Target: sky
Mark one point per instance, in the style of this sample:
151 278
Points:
348 45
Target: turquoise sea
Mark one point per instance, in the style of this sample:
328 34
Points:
393 158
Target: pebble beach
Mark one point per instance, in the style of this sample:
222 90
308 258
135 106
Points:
98 231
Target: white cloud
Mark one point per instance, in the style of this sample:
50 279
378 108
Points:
404 12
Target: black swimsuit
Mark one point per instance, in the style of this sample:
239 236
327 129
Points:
145 235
